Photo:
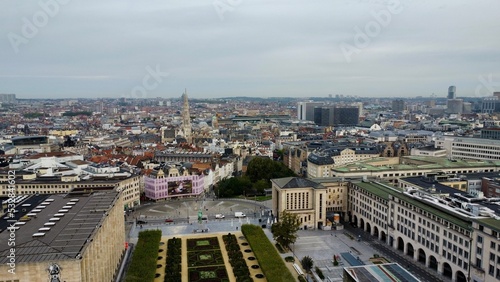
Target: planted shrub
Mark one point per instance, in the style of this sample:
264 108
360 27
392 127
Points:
240 268
289 259
319 272
173 267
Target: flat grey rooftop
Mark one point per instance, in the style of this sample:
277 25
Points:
67 237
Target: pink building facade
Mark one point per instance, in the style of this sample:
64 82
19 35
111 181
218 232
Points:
160 188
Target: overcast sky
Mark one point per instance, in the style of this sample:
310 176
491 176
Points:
261 48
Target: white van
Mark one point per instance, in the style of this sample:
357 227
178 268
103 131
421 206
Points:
239 214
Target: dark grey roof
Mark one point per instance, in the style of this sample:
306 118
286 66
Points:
320 159
296 182
68 237
324 154
426 184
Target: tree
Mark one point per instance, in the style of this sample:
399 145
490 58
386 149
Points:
260 186
235 186
307 264
266 168
285 230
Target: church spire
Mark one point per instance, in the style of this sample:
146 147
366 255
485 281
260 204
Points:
186 118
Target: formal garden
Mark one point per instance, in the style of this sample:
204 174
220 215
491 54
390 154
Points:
247 258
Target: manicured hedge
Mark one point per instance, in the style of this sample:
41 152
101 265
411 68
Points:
240 268
173 269
144 259
270 261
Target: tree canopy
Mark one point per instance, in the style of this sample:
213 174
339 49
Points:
307 263
234 186
285 230
258 177
267 169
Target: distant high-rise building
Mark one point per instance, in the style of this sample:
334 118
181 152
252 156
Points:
467 108
398 105
496 94
186 119
451 92
454 106
346 116
8 98
335 115
305 110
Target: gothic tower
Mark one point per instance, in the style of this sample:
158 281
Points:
186 119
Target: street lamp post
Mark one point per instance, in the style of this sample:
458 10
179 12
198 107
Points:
255 206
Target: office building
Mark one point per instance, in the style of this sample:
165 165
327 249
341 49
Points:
451 92
72 238
454 106
490 133
392 169
305 110
336 115
398 105
8 98
449 232
490 105
310 200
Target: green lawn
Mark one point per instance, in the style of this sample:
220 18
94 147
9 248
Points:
272 264
144 259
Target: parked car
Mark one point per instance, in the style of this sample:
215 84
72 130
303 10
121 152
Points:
169 220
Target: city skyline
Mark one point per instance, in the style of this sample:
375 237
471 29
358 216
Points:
228 48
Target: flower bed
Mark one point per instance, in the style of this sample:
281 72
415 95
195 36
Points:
208 274
200 244
205 260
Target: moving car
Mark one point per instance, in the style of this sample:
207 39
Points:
239 214
219 215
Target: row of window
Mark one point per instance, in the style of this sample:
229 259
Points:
298 200
428 244
455 249
456 260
